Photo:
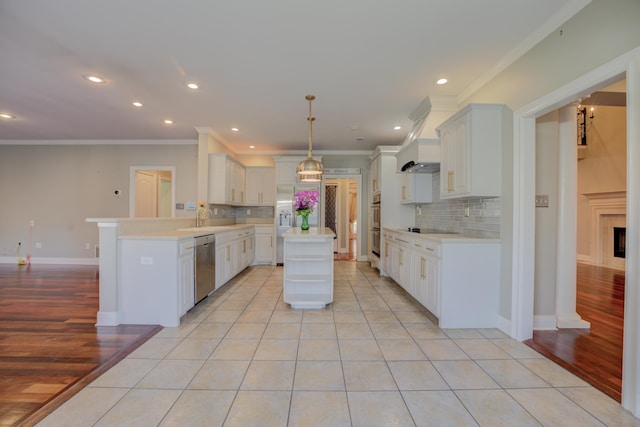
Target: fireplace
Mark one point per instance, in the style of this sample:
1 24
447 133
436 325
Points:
606 241
619 241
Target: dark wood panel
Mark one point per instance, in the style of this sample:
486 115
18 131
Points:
49 345
595 355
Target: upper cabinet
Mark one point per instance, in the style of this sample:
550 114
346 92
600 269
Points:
471 151
226 180
261 186
415 188
374 182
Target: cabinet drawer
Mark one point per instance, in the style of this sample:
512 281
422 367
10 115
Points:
428 246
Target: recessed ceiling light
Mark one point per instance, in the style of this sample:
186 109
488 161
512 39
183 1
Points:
94 79
192 86
137 104
7 116
235 129
168 122
252 146
397 127
442 81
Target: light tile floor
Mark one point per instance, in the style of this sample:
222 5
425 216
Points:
372 358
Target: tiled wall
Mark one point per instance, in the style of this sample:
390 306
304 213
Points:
448 215
240 212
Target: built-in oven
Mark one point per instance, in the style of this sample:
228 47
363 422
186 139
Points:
375 225
375 242
375 211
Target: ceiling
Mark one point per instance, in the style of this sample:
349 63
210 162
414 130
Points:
369 63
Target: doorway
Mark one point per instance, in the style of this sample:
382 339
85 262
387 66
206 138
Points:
152 192
523 228
341 214
586 203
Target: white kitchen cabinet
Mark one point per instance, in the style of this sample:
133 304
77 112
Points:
260 186
388 184
186 275
456 278
374 181
234 252
426 270
308 267
265 244
415 188
471 151
226 180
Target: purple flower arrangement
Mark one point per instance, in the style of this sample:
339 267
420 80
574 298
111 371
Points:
304 201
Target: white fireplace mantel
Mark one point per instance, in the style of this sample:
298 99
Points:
602 205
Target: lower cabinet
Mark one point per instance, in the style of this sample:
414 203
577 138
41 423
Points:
186 275
234 252
456 278
265 244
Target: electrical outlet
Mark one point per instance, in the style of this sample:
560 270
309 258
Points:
146 260
38 245
542 200
467 212
32 223
87 246
215 211
248 211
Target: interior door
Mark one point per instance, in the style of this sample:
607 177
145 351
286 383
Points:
146 194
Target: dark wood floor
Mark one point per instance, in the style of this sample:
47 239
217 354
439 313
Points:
594 355
49 345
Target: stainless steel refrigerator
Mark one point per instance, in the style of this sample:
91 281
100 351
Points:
286 218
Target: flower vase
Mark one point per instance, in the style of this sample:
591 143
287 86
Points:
305 221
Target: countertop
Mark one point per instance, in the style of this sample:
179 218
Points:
458 238
310 233
184 233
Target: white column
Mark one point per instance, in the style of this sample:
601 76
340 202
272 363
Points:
566 316
631 346
108 283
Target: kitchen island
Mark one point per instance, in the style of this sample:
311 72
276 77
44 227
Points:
308 267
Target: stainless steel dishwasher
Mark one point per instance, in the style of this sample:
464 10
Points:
205 260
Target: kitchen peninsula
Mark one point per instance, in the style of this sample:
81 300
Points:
308 267
147 266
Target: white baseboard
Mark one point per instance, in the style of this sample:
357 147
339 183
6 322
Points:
51 260
544 323
504 325
107 318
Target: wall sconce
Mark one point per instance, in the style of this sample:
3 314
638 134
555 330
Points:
582 124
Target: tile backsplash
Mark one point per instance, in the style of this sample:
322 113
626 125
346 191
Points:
242 212
449 215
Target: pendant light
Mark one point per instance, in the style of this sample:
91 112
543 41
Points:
310 170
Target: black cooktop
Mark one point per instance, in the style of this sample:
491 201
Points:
428 231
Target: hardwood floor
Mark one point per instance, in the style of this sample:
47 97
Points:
594 355
351 255
49 345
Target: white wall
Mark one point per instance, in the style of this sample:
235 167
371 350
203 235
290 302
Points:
58 186
546 218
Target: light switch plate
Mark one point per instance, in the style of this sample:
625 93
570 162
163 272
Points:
542 200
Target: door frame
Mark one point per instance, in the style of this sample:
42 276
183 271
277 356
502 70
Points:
132 186
523 231
358 178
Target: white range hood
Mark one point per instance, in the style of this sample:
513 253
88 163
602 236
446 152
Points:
420 151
